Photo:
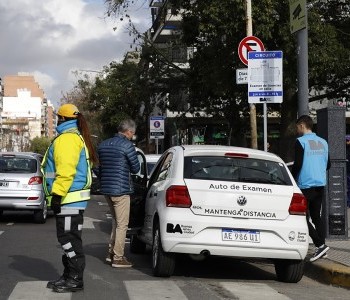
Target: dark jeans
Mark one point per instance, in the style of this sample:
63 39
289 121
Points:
69 230
314 202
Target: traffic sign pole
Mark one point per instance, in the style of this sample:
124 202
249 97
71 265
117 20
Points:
252 108
298 25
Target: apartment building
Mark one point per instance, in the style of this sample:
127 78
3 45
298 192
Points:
25 112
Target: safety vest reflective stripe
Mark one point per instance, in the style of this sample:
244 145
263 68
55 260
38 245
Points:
50 174
72 197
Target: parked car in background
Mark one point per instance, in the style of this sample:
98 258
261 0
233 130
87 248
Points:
151 160
207 200
21 184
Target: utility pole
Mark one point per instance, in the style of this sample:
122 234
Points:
303 80
298 26
253 129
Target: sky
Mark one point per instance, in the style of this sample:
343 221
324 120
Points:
57 40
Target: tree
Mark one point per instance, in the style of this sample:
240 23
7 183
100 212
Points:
40 145
215 29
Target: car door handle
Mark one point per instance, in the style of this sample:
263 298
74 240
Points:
155 194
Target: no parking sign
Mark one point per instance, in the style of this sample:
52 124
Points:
156 127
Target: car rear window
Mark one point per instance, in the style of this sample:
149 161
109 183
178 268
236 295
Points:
17 165
235 169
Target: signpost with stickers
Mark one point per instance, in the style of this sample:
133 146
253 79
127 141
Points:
156 127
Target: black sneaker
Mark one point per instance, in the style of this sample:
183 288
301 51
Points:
320 252
52 283
69 285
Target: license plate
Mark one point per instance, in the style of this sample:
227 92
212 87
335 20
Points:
4 184
250 236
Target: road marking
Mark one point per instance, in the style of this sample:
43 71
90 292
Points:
248 291
109 216
102 203
89 223
10 224
36 290
1 232
153 290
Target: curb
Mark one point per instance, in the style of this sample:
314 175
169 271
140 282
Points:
329 272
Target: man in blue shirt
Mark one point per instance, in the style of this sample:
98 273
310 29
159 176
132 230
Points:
310 172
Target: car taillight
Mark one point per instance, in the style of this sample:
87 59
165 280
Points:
35 180
298 205
178 196
32 198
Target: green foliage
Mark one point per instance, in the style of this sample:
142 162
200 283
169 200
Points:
215 28
40 144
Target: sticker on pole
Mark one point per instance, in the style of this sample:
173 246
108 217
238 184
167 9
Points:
156 127
248 44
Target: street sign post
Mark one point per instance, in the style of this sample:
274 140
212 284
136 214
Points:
265 77
297 14
242 76
248 44
156 127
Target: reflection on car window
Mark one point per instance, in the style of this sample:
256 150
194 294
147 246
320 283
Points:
164 169
235 169
141 162
18 165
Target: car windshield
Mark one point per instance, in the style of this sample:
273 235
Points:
17 165
235 169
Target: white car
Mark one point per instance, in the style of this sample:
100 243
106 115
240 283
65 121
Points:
21 184
218 200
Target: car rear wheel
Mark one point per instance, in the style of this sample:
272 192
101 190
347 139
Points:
163 264
137 246
41 215
289 270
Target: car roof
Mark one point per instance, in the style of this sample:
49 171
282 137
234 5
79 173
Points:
32 154
152 157
219 149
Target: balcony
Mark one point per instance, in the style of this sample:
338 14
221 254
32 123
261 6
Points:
165 23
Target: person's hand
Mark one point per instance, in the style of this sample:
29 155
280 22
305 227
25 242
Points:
56 204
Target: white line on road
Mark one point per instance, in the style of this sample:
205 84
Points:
1 232
10 224
36 290
89 223
248 291
153 290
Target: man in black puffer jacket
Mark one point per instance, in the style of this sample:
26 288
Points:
118 158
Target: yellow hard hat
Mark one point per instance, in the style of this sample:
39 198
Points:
68 110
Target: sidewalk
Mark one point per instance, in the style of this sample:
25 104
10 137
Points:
335 269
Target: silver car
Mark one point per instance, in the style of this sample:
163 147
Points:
21 184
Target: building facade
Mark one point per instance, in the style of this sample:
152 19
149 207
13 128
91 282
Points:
25 113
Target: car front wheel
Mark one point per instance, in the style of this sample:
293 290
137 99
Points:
163 264
41 215
289 270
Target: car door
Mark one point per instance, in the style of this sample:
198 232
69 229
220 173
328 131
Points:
137 199
154 192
